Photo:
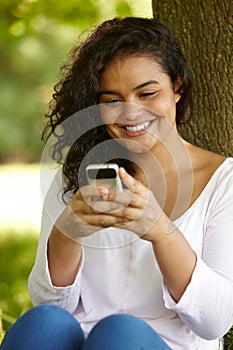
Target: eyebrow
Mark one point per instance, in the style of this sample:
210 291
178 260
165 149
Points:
149 82
138 87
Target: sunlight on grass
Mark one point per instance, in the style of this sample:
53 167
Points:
20 214
20 200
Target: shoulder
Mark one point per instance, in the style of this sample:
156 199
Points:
205 165
204 162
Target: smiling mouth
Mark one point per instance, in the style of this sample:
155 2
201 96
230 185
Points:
139 127
136 130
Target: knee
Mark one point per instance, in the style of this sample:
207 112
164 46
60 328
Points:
120 325
44 310
123 331
51 316
44 314
122 321
44 324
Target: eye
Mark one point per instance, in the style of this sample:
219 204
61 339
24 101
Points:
147 94
114 102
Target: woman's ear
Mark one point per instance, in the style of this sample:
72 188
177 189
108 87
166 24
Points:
177 88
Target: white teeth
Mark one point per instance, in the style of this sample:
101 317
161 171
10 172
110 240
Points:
137 127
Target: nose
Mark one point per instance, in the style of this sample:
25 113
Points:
131 112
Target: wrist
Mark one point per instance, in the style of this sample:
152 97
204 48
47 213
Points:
161 230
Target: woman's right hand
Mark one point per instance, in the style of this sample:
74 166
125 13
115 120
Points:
79 219
83 216
87 213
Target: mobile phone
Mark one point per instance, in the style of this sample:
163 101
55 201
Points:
104 174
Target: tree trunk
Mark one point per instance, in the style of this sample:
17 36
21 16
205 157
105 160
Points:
204 31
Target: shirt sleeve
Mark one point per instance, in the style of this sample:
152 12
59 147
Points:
40 286
206 307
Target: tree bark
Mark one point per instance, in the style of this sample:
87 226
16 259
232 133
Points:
204 31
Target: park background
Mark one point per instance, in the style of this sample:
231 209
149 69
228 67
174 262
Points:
35 40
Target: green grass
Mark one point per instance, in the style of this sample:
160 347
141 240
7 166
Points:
17 254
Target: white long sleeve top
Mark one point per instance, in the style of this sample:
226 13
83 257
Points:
119 273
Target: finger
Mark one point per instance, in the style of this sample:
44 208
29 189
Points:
90 191
128 214
106 207
138 201
79 208
131 213
123 197
130 199
85 192
85 207
128 180
103 220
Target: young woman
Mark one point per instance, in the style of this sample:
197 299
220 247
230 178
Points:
150 267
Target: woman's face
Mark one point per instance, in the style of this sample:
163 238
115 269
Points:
136 99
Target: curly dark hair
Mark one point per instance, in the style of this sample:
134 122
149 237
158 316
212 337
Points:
79 87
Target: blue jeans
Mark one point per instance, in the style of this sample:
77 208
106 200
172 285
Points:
48 327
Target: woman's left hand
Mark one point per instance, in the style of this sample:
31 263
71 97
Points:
141 212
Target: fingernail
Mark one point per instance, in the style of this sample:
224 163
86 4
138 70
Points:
123 172
103 192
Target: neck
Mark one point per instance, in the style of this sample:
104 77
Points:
166 171
169 152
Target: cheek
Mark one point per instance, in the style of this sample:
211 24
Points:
166 106
110 130
109 115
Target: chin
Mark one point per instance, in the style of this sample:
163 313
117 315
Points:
134 146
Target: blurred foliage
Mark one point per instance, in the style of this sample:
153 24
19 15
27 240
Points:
17 255
36 36
228 340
